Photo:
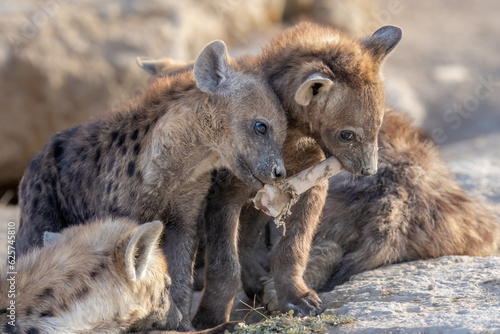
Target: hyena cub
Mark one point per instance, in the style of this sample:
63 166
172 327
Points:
152 159
332 90
103 277
106 276
411 209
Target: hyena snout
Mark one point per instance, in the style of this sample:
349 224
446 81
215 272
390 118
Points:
272 170
279 171
367 171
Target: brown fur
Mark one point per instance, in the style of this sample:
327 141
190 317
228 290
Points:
328 83
152 159
411 209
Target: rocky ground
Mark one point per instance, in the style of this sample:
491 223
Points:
445 72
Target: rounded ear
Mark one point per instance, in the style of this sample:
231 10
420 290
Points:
383 41
315 84
50 237
212 67
139 249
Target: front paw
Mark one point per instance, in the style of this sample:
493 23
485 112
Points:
270 298
308 304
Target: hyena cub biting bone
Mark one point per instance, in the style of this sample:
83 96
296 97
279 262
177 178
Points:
411 209
152 159
106 276
332 90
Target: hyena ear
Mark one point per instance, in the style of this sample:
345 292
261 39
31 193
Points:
162 66
315 84
140 248
50 237
148 64
212 67
383 41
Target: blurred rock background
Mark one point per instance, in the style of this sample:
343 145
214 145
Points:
63 62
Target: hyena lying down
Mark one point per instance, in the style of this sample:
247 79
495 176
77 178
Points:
411 209
107 276
152 159
332 90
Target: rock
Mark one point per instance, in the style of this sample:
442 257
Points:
452 294
64 62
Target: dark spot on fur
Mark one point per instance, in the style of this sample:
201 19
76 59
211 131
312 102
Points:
33 330
122 139
35 204
114 135
111 163
97 155
135 134
58 150
47 313
108 188
117 172
148 127
156 325
84 291
94 274
124 150
38 187
64 306
103 265
3 311
29 311
9 329
131 168
47 293
137 149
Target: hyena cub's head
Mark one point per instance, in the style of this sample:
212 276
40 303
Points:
130 289
334 85
245 108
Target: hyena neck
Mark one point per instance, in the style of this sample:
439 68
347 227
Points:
182 142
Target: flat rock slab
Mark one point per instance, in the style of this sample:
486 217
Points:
452 294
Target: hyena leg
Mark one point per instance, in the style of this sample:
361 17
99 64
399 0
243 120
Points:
252 250
325 255
180 239
222 268
291 254
367 257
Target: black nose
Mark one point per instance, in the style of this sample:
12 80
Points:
368 171
279 172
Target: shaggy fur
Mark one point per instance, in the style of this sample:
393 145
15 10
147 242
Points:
152 159
411 209
328 83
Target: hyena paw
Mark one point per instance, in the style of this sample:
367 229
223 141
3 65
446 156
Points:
270 299
307 305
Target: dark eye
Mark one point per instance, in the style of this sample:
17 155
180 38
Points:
346 135
260 128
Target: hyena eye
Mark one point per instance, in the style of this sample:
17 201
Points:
346 135
260 128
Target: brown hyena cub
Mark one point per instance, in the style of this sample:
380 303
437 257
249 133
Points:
332 90
411 209
106 276
152 159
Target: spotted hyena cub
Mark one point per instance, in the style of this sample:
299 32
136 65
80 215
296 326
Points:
152 159
411 209
106 276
